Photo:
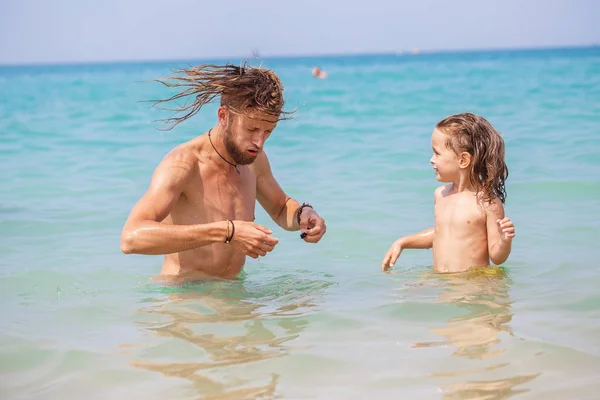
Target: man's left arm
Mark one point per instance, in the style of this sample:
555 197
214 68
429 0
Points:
284 210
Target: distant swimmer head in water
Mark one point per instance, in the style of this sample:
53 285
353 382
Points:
319 73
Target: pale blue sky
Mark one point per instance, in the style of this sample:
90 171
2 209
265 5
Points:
112 30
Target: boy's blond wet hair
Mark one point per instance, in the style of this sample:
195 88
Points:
475 135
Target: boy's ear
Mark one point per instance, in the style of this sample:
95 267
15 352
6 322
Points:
465 159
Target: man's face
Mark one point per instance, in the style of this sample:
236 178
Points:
245 135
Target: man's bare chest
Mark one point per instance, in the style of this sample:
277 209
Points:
220 197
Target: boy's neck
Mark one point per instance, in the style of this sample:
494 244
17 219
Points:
462 184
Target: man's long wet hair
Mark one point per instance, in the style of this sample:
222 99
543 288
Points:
243 90
475 135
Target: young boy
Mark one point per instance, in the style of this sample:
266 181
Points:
470 226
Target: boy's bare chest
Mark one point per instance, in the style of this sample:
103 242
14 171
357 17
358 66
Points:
458 212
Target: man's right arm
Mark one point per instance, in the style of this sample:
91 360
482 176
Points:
145 233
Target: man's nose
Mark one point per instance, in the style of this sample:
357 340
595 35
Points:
259 140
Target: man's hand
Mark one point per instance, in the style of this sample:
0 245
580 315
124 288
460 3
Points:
506 229
252 239
312 225
392 255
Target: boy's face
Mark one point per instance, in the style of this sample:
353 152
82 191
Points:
444 160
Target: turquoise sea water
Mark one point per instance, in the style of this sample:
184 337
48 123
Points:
78 148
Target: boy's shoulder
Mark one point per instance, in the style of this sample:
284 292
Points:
439 191
494 207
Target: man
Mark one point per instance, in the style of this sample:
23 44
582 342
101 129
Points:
199 208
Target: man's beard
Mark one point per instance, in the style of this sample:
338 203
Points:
239 156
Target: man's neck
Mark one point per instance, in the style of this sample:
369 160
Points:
219 154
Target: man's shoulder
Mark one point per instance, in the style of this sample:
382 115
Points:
184 153
178 164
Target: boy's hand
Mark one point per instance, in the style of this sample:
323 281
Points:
506 229
392 255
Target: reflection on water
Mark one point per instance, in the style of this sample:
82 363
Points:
217 335
477 335
488 312
487 390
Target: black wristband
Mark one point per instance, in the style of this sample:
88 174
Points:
232 232
299 211
228 238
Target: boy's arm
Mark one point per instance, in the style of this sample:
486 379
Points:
500 232
420 240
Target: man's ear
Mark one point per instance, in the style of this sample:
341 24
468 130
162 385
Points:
464 159
223 114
